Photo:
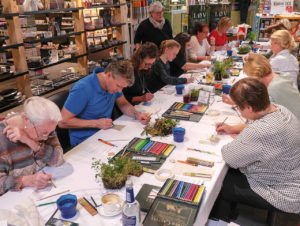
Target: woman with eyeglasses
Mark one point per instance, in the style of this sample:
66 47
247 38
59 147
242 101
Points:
29 143
142 60
264 158
155 28
179 65
200 49
218 36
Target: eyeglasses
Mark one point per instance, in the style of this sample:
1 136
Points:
160 12
45 135
148 64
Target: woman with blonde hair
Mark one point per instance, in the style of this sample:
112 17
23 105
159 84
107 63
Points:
218 36
282 43
160 75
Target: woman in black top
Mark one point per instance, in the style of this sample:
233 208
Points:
142 60
179 65
154 29
160 73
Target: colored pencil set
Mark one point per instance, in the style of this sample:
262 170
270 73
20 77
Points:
148 146
190 107
183 191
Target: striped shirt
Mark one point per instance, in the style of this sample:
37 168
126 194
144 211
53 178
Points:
267 151
17 160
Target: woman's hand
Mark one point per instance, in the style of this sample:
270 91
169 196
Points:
143 118
225 128
37 180
15 134
147 97
190 80
212 41
226 99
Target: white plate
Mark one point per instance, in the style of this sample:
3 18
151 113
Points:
102 213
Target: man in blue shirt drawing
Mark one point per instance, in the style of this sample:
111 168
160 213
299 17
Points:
91 101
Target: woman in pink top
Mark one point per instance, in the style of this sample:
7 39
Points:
219 34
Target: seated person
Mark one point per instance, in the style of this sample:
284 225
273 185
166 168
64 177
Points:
160 74
282 43
264 157
179 65
29 143
218 36
91 101
200 49
280 86
142 60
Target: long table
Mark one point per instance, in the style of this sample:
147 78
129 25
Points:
77 175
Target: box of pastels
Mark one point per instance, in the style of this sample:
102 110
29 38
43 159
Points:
150 154
177 203
188 112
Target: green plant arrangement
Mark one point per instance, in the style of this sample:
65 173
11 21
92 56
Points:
220 70
162 127
244 49
251 36
114 173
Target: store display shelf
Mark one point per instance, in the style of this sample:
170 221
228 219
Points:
9 106
105 6
8 15
13 46
58 62
12 76
94 50
52 11
105 27
54 38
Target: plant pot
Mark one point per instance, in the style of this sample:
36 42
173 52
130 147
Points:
137 173
218 76
112 184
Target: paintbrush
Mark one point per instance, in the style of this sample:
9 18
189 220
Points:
214 135
204 175
44 173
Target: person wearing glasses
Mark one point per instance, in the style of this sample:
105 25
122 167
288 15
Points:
264 158
155 28
179 65
280 86
142 61
218 36
200 49
29 143
89 105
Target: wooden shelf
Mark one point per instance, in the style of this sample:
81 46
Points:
94 50
12 76
105 6
105 27
51 11
54 38
13 46
8 15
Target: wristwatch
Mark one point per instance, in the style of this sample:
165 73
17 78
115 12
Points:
135 115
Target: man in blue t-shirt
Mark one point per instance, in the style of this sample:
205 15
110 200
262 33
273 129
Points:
91 101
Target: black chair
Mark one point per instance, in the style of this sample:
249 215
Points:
273 216
63 134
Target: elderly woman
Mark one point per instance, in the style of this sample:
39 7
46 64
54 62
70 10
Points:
29 143
218 36
265 156
142 60
179 65
280 86
282 43
200 49
154 29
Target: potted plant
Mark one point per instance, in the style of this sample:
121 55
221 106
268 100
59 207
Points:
162 127
220 70
251 36
244 49
114 173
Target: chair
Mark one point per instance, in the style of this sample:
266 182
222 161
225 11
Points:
63 134
273 214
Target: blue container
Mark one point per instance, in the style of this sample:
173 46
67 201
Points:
179 89
229 52
178 134
67 205
226 89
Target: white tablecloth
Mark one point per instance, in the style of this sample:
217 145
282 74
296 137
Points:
77 176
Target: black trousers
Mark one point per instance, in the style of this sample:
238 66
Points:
244 4
236 189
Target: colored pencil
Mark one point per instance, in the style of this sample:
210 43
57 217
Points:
194 193
199 194
186 186
207 152
173 189
190 192
106 142
172 181
188 163
180 189
45 204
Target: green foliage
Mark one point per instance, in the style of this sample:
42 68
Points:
251 36
244 49
162 127
220 68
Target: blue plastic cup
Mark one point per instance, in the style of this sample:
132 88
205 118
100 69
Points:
241 42
179 89
229 52
67 205
226 89
178 134
254 50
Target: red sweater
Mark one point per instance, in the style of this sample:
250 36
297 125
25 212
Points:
220 40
